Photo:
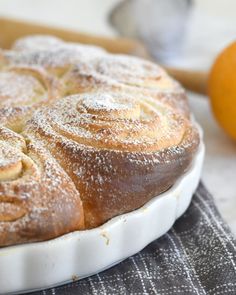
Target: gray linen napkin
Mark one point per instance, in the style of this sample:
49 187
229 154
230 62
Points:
197 256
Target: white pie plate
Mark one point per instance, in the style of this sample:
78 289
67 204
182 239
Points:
35 266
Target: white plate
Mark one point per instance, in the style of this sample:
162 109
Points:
79 254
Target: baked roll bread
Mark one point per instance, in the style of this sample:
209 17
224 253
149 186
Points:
84 136
22 90
54 55
120 151
37 43
127 74
37 198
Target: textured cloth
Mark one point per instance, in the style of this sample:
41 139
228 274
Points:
197 256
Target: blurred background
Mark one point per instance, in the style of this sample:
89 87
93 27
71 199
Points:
211 24
187 34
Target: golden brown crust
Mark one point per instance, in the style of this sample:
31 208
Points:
123 137
126 74
37 198
119 150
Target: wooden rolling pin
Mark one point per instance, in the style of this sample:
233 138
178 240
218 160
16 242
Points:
195 81
11 29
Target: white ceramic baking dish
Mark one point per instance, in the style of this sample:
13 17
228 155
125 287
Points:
79 254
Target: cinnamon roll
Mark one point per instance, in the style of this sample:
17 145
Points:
120 150
38 200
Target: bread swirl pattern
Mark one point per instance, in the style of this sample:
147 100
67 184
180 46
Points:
37 197
127 74
119 151
99 136
56 57
22 90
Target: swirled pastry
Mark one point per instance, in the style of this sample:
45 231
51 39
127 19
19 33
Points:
54 55
84 136
37 197
22 90
119 150
129 74
56 62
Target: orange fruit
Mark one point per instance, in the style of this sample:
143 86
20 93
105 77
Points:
222 89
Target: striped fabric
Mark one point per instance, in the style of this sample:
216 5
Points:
197 256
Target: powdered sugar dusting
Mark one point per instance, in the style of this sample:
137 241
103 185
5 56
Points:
37 42
45 42
42 191
57 59
8 156
19 89
129 70
114 121
104 101
103 152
